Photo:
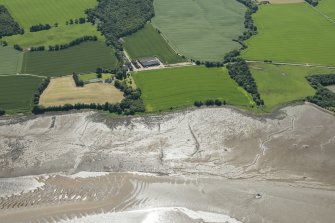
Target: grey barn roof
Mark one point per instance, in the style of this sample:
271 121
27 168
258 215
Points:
149 62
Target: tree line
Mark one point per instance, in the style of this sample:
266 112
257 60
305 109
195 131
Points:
239 71
41 88
8 26
252 8
76 21
77 81
73 43
323 97
210 102
40 27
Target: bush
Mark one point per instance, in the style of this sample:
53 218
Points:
312 2
2 112
209 102
198 103
40 27
217 102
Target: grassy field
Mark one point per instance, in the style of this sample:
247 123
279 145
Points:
59 35
63 91
83 58
280 85
180 87
10 60
301 36
200 29
147 43
33 12
327 7
16 93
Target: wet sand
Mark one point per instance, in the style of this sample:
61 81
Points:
205 164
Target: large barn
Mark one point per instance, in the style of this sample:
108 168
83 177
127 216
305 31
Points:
149 62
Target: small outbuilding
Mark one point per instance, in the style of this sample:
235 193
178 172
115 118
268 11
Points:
149 62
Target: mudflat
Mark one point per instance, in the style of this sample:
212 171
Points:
214 165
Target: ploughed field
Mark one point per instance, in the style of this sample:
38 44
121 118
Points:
181 87
293 33
63 91
147 42
85 57
200 29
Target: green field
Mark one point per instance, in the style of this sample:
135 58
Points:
292 33
59 35
147 43
33 12
280 85
200 29
16 93
180 87
327 7
10 60
85 57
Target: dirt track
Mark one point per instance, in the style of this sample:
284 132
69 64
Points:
212 160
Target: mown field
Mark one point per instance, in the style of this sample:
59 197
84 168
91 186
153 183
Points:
200 29
147 43
293 33
180 87
16 93
87 77
327 7
85 57
63 91
33 12
10 60
280 85
59 35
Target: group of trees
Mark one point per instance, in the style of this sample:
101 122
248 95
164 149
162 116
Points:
73 43
2 112
312 2
37 48
248 21
40 27
239 71
17 47
76 21
118 18
77 81
8 26
40 90
210 102
323 97
3 43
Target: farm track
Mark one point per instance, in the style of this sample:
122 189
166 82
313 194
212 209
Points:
292 64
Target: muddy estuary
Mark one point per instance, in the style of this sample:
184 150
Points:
206 165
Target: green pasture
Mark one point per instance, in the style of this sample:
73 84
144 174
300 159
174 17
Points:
33 12
327 7
200 29
86 57
147 42
293 33
282 84
180 87
16 93
59 35
10 60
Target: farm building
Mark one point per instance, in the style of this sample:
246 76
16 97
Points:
149 62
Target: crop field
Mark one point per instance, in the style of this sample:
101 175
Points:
59 35
63 91
327 7
147 43
180 87
301 36
10 60
16 93
33 12
200 29
85 58
280 85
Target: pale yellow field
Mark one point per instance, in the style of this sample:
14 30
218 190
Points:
63 91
